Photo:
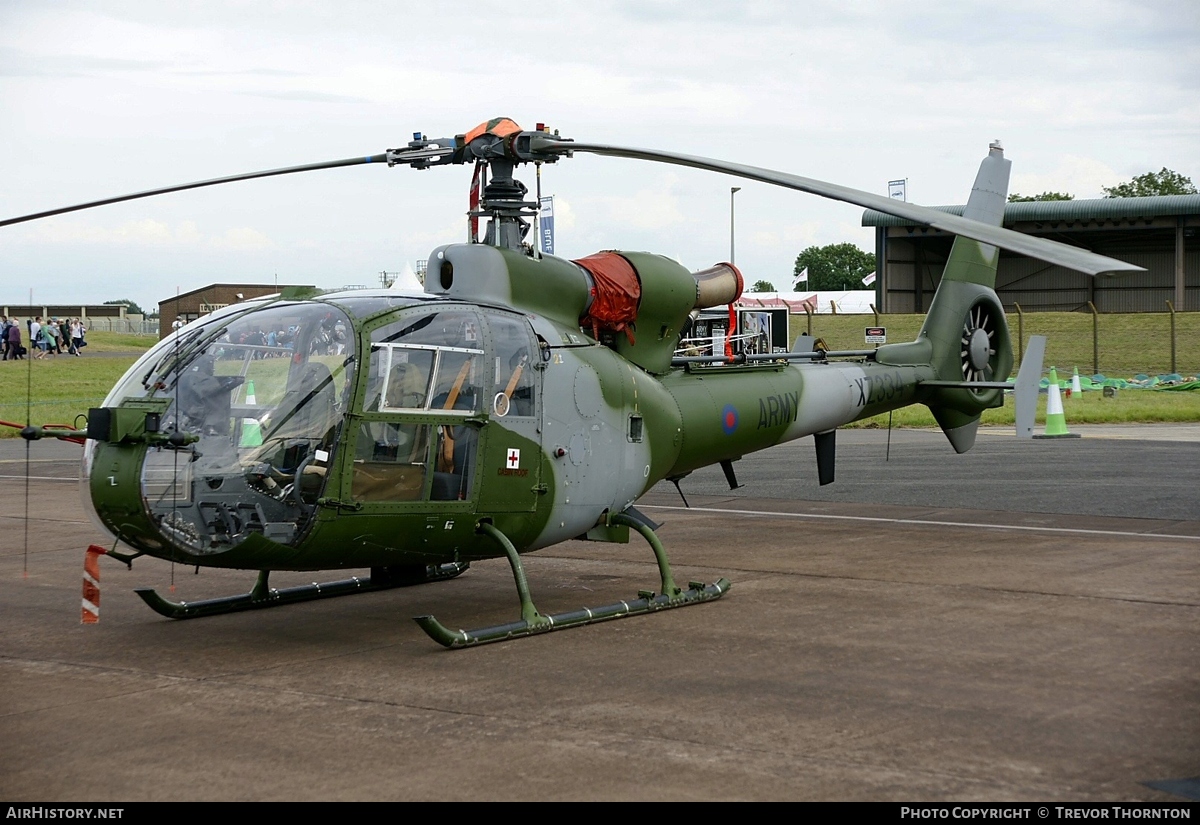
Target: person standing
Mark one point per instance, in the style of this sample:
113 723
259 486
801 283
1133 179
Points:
14 340
35 337
76 335
50 335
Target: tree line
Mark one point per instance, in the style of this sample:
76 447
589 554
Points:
1162 182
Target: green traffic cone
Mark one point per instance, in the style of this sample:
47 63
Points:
1056 422
251 433
250 399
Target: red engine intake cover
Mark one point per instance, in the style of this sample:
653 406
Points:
615 294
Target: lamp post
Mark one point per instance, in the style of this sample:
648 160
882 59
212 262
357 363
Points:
733 190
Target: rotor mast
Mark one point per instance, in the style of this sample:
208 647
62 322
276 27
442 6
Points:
502 145
504 202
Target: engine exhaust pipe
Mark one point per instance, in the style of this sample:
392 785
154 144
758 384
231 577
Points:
718 285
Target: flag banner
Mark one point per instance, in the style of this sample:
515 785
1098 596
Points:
896 189
546 225
802 278
870 279
473 202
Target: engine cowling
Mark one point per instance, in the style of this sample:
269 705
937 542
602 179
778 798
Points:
635 302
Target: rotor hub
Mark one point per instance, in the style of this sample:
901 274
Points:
979 351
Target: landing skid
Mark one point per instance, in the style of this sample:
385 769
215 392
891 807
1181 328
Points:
533 622
263 595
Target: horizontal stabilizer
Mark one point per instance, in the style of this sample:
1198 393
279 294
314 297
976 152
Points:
969 385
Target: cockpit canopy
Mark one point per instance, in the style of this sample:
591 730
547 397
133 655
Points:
269 394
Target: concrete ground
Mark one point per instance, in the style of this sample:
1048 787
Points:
1017 623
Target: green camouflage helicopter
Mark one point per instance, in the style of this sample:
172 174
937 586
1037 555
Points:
520 401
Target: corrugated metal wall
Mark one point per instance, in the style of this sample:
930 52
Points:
1039 287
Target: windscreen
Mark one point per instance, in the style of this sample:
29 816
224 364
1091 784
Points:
264 393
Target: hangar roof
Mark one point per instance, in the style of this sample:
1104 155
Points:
1097 208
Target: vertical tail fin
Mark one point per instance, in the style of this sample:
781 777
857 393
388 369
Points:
965 336
971 261
1028 382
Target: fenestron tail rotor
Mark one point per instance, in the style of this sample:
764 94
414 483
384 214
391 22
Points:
979 344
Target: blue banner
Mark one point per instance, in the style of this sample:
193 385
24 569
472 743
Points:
546 225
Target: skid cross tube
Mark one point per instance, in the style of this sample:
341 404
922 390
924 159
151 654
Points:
533 622
262 595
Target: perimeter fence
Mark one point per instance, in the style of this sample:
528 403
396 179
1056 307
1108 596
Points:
123 325
1113 344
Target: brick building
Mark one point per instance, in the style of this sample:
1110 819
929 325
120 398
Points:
191 305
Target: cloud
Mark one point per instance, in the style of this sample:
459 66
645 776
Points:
310 97
649 208
1082 177
145 232
790 237
424 241
19 63
564 213
241 238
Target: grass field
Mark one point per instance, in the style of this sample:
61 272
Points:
1127 407
1128 344
64 387
118 342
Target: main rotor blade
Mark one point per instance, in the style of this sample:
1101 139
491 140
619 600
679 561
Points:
1050 251
308 167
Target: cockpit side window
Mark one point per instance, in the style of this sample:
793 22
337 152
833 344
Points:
457 327
428 361
514 390
426 375
399 378
391 461
411 379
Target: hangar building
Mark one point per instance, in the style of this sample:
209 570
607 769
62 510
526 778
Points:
1161 234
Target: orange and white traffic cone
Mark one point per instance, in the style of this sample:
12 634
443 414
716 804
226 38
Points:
91 585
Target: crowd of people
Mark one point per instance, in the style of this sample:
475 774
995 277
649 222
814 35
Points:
53 336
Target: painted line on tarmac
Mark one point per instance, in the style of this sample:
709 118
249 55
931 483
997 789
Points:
40 461
926 522
46 478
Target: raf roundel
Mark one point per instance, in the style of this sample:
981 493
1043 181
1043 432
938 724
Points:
729 419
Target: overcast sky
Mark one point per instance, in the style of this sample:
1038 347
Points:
109 97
